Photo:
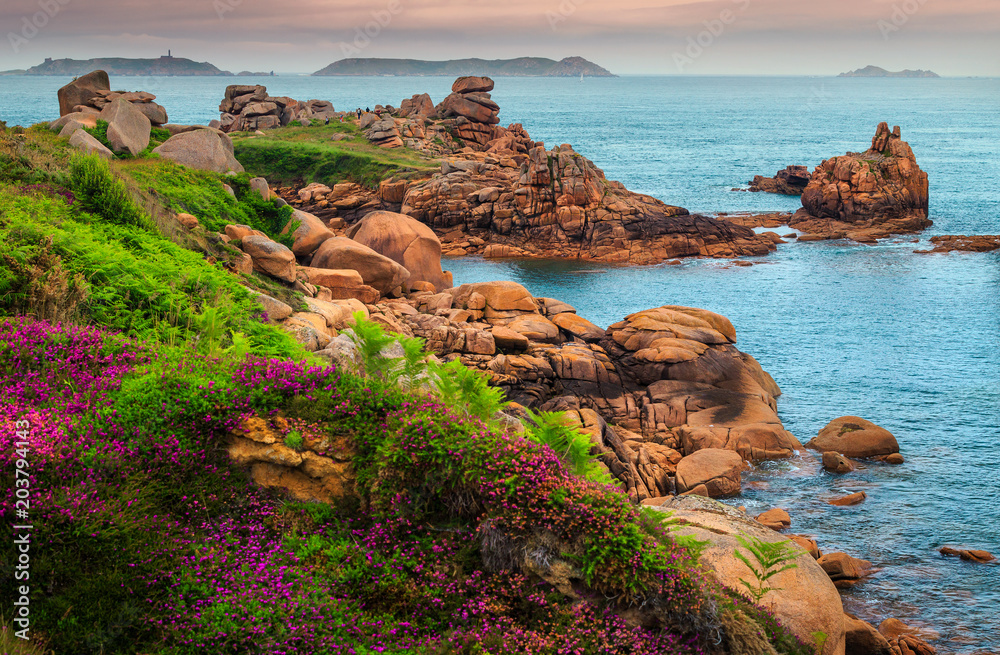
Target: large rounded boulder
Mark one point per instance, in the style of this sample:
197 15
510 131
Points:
376 270
205 149
128 128
406 241
803 598
81 90
852 436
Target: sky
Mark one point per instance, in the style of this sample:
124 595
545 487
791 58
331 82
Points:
691 37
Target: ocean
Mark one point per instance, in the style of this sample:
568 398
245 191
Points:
909 341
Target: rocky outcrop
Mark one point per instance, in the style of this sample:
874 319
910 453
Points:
249 108
558 204
867 195
853 436
791 181
319 469
205 149
804 599
643 417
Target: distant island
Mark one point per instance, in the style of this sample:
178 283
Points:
16 71
520 67
164 66
875 71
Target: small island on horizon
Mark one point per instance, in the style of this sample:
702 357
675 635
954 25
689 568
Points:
519 67
167 65
875 71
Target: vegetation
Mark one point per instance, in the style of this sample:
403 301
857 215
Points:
306 155
135 360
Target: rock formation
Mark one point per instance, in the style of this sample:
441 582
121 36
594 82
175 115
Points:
790 182
91 93
867 195
559 204
956 243
204 148
853 436
250 108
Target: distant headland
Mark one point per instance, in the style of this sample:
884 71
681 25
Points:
520 67
166 65
875 71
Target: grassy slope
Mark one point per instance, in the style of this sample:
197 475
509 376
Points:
307 154
151 541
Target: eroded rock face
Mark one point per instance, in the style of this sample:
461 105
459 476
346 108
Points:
881 191
559 204
321 470
807 601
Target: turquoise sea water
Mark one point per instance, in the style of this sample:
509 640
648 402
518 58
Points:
909 341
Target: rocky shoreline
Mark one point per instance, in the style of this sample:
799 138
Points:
674 410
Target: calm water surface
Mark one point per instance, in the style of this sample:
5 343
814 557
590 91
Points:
909 341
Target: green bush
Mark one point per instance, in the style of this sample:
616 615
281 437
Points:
102 194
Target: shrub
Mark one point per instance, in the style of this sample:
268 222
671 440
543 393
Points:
104 195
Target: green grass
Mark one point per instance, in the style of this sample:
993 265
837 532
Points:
203 194
293 155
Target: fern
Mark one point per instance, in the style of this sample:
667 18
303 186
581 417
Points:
770 559
569 443
415 363
467 389
371 340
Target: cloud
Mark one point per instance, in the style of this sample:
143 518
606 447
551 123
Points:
306 34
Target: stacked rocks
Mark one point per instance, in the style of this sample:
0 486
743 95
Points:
475 114
91 94
250 108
